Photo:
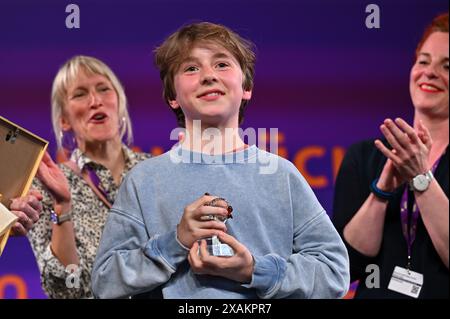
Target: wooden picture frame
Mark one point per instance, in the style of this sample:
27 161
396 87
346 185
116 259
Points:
20 154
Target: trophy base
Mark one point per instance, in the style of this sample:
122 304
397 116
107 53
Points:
216 248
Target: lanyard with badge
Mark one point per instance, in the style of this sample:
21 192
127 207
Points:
404 280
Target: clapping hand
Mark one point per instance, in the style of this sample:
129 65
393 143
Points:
409 155
53 178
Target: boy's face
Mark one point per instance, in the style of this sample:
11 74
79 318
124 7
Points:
208 86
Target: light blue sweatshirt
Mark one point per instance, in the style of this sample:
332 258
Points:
297 251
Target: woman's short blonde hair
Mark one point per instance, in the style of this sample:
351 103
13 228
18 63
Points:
67 74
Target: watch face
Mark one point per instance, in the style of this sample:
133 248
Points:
420 183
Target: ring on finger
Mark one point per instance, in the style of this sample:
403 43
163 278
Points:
208 217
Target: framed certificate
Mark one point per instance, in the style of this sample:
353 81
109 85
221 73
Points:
20 154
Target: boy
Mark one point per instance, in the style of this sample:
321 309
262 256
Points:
282 241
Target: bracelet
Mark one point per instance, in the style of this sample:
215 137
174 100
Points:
380 193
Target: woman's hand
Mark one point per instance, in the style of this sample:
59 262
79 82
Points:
410 152
28 209
390 179
55 181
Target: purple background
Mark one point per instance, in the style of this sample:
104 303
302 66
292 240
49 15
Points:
322 78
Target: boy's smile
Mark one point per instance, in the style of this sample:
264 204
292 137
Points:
211 95
209 86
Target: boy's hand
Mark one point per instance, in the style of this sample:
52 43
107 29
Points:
239 267
194 224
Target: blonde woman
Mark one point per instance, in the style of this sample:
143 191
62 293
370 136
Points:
89 109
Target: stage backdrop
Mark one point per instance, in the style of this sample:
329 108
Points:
323 78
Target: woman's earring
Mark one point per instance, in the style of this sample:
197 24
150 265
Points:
68 140
122 122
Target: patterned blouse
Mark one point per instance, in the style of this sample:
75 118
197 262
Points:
89 215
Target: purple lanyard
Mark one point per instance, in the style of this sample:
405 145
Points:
409 229
96 181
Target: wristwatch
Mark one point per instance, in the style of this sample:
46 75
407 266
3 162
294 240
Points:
421 182
59 219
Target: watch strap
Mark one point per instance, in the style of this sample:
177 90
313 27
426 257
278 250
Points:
59 219
429 175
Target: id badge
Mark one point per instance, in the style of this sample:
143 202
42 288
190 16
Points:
406 282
